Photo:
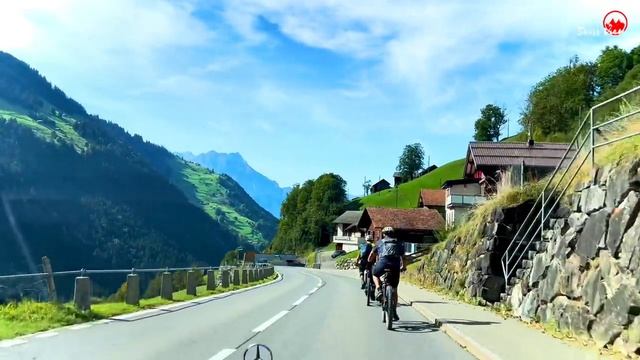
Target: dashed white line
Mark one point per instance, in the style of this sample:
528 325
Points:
222 354
46 335
80 327
10 343
271 321
300 300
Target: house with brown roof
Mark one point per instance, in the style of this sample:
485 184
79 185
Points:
413 226
379 186
461 196
498 164
433 199
347 235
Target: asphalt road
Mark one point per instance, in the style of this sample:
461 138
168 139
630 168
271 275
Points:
307 315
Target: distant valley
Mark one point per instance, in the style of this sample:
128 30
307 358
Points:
263 190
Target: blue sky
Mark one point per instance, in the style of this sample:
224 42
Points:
302 87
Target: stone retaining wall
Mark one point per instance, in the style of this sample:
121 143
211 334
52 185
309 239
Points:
587 278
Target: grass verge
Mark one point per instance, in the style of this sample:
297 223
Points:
28 317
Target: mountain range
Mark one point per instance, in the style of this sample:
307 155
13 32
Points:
263 190
87 194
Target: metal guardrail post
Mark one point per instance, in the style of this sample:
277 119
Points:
592 147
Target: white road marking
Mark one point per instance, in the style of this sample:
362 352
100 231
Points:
80 327
300 300
46 335
10 343
222 354
271 321
313 290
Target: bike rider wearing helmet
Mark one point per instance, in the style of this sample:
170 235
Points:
389 252
363 258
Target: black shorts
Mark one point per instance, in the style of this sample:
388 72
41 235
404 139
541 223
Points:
394 275
364 265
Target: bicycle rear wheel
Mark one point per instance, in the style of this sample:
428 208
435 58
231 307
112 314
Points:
367 289
389 310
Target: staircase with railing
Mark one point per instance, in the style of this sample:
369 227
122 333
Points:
600 127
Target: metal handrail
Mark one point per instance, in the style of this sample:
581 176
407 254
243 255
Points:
544 199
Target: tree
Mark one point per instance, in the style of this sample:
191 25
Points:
555 103
488 126
411 161
612 65
307 214
366 186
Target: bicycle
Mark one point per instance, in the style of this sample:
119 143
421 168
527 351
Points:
388 303
369 289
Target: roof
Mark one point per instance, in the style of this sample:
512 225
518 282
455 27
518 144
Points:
433 197
488 153
450 183
348 217
405 219
380 182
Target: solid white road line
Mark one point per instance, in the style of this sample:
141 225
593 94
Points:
223 354
46 335
10 343
313 290
300 300
271 321
80 327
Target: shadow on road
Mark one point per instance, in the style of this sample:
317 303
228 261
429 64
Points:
414 327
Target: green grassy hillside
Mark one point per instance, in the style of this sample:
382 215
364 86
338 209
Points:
407 193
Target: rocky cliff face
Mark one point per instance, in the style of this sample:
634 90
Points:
583 274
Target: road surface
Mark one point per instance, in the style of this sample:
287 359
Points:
307 315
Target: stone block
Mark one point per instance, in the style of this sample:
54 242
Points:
621 219
211 280
530 306
166 286
192 282
245 276
595 199
550 286
132 296
577 221
225 280
236 277
630 248
594 292
82 293
593 234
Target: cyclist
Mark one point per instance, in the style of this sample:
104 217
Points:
363 258
389 252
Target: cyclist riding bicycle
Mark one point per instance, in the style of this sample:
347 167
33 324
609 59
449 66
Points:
390 253
363 258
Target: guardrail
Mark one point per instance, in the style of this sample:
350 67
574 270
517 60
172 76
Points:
583 145
223 276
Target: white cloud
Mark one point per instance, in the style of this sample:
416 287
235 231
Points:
422 43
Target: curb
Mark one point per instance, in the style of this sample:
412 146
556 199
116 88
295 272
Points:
478 351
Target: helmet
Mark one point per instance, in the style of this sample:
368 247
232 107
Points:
387 230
